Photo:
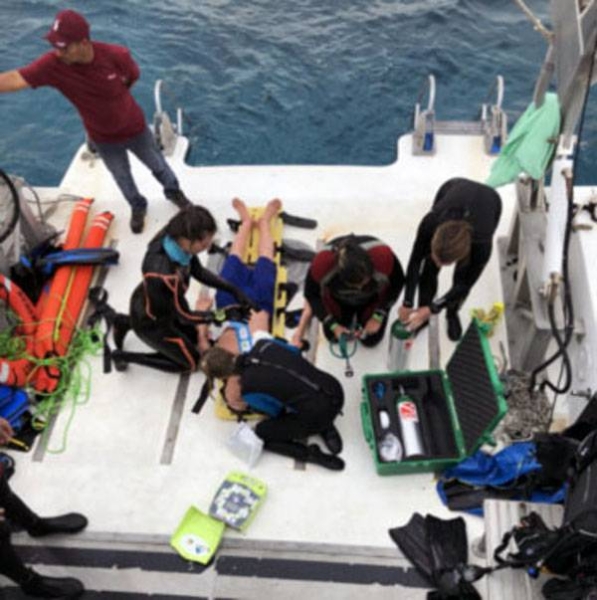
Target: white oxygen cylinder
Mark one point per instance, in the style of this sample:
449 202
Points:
410 428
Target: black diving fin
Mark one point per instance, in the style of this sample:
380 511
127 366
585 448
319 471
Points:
412 540
448 548
438 549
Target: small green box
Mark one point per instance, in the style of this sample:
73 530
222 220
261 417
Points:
458 409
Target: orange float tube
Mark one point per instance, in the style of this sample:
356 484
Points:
15 373
51 307
69 309
78 286
50 302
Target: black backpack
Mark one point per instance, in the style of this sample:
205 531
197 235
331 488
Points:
571 549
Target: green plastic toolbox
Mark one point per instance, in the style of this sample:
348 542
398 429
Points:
421 421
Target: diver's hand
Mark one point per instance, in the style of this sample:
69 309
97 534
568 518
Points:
404 313
340 330
297 339
372 326
418 318
233 395
6 432
203 303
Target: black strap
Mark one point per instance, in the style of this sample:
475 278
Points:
98 296
203 396
295 221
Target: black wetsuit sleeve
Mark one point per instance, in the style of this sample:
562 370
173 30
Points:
421 250
465 277
211 279
313 296
396 281
165 299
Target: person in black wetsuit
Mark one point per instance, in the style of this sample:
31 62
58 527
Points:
159 312
351 287
458 229
11 564
298 399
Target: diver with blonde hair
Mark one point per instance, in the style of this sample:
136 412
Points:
459 229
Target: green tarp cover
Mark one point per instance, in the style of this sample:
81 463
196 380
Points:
530 144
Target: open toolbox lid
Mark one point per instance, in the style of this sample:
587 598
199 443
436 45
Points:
476 389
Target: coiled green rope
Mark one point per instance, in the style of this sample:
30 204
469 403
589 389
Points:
74 388
74 370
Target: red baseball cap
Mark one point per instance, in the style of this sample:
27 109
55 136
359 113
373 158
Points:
68 27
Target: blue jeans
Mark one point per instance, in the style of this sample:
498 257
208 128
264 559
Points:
144 147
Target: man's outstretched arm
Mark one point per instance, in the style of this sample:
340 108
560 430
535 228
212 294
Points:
12 81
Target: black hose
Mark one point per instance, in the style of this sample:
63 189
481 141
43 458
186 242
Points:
568 307
8 227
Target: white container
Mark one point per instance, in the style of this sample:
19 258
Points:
245 444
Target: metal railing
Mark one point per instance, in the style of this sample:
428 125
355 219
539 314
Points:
424 120
166 133
493 119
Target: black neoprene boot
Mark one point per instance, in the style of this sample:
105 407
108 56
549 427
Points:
120 327
454 326
154 360
332 440
317 456
40 586
69 523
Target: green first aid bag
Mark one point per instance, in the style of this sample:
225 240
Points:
198 536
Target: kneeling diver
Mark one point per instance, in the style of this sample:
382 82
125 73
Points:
297 398
159 312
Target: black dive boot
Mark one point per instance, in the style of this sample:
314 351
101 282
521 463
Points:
332 440
120 327
317 456
69 523
307 454
154 360
40 586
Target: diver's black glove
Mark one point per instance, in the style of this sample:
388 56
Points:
246 301
234 312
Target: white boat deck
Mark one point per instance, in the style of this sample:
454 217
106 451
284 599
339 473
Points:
111 463
111 468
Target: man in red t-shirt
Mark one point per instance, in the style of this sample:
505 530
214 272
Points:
96 78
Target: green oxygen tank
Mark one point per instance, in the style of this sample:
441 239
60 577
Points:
401 341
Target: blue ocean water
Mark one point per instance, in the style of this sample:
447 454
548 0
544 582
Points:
281 82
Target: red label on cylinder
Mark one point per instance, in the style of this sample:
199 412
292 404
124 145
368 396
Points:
408 411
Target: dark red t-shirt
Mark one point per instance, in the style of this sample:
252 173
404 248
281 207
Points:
99 90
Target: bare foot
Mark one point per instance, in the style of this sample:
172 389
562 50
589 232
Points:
241 208
272 209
